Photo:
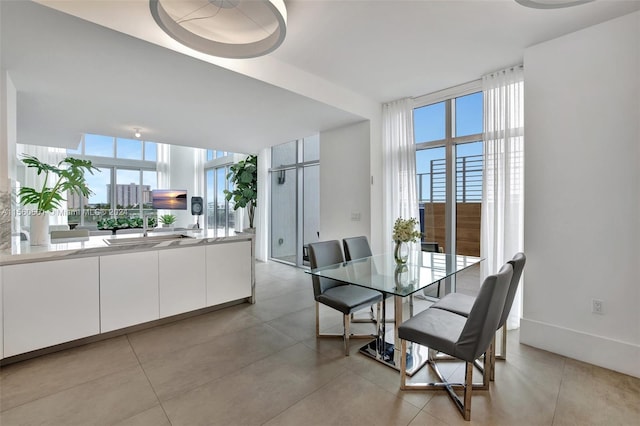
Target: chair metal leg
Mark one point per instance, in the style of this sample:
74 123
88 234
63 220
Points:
503 348
347 332
488 364
403 364
468 387
464 404
492 364
317 319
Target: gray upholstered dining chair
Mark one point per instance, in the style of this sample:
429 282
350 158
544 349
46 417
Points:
465 338
461 304
356 248
342 297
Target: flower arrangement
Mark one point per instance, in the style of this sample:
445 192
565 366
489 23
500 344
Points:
404 230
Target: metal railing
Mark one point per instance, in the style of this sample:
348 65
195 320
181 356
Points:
432 185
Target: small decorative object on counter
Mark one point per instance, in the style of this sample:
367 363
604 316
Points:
404 231
167 220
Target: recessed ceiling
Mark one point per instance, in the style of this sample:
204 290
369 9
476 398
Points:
339 61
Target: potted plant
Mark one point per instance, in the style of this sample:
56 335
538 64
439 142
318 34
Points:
244 176
167 220
67 175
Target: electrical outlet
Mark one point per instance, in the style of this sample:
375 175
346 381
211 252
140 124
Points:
596 306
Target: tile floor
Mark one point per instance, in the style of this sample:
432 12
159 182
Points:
261 365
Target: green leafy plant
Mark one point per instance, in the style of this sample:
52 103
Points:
125 222
67 175
167 219
244 176
404 230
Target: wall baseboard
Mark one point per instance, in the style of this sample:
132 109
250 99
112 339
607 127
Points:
597 350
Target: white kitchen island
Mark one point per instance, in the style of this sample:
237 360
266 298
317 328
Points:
56 296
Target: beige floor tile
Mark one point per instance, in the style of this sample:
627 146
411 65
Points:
159 341
348 400
515 398
183 370
423 419
154 416
33 379
257 393
276 287
300 325
103 401
591 395
387 378
276 307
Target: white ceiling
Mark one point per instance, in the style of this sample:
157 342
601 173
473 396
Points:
339 61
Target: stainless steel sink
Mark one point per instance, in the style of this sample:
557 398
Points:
145 240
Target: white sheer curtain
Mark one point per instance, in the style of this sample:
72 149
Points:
398 166
163 161
199 158
261 220
502 230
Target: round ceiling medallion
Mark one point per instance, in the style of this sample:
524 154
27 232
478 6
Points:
227 28
552 4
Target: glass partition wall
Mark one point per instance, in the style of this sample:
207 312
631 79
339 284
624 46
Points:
295 199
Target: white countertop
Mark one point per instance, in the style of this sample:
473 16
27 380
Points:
23 252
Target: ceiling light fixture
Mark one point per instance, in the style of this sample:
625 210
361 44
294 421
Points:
551 4
236 29
137 134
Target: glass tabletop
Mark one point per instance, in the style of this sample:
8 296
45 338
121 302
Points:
381 273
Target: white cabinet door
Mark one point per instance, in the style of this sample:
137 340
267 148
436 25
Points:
128 289
47 303
228 272
182 280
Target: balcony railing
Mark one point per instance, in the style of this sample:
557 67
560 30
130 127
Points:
432 185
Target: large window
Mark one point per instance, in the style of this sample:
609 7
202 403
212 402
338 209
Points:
122 186
220 213
295 199
448 137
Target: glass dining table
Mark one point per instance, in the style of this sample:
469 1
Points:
423 271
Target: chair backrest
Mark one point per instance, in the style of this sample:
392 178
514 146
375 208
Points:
356 248
517 262
321 254
431 247
483 319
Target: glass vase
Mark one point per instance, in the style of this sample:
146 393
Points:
401 252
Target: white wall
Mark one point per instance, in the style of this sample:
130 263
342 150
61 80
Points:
8 125
582 205
181 175
345 182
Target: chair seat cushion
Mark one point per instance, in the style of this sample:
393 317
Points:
435 328
349 298
457 303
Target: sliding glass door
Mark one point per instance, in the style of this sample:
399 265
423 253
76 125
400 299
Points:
295 199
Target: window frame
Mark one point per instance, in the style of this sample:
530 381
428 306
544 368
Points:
114 164
450 143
